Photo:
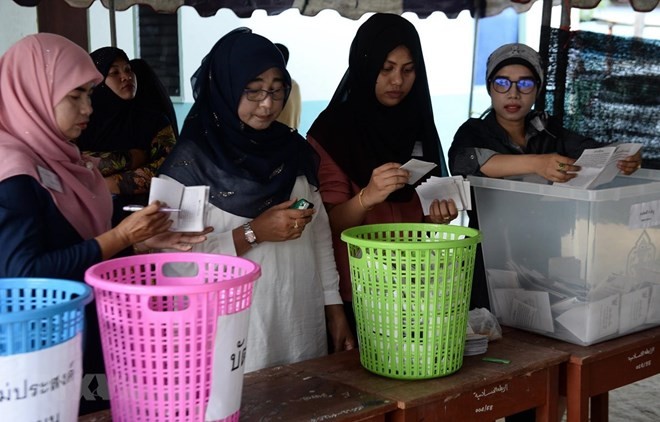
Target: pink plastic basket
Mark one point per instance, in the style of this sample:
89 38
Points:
158 329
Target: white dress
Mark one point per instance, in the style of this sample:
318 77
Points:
298 278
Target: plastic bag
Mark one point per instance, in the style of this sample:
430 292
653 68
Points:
481 321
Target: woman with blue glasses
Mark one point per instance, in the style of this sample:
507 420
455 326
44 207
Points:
512 140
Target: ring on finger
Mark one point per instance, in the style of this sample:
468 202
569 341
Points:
561 166
295 225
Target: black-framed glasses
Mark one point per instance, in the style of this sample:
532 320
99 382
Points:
503 85
258 95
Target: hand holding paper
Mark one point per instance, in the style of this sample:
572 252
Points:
190 199
455 188
599 165
417 169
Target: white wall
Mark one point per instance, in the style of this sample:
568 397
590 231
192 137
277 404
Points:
99 24
15 23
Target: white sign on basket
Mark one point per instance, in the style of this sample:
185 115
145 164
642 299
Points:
42 385
228 365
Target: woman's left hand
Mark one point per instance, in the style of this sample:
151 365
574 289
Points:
281 223
177 240
442 211
340 332
631 164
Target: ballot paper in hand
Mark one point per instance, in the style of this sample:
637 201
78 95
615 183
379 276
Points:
455 187
598 165
190 199
417 169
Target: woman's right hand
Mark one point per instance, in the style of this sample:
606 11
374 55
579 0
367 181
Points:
143 224
556 168
135 228
384 180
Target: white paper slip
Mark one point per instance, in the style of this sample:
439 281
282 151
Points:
417 169
455 188
598 165
191 200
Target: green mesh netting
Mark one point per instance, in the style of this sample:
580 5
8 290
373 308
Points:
609 87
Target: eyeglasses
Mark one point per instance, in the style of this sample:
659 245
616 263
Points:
503 85
258 95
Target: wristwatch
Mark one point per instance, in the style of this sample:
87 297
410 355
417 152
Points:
250 237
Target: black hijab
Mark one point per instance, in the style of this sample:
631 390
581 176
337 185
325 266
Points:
359 132
152 93
248 170
117 124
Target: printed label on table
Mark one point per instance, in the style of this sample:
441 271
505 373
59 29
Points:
228 365
42 385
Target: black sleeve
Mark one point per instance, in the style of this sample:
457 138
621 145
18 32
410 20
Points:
36 239
571 144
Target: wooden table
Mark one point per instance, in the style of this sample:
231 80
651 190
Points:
338 388
288 393
592 371
479 391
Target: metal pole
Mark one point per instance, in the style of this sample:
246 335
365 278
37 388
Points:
563 40
544 46
474 60
113 24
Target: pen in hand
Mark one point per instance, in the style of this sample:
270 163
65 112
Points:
140 207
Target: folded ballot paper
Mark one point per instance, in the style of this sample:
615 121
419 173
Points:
456 187
191 200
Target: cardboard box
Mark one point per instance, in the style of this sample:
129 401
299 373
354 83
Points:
578 265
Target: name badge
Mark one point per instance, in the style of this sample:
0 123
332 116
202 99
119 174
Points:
50 179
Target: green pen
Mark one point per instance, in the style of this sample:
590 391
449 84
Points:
496 360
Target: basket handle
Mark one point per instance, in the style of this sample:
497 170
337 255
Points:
162 308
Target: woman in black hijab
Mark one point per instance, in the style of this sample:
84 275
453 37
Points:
256 168
379 118
130 139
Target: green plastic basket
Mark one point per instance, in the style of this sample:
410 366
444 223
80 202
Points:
411 296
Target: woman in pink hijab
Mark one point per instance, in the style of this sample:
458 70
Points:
55 207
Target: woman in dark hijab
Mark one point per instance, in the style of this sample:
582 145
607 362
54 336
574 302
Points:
256 168
379 118
131 140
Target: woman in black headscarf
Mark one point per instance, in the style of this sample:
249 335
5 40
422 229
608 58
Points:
256 168
130 139
379 118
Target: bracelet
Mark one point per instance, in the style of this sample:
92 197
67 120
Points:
360 200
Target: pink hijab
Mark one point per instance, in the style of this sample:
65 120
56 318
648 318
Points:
36 73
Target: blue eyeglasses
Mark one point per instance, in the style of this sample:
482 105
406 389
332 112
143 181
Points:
258 95
503 85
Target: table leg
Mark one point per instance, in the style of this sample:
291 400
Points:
548 412
599 408
577 394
